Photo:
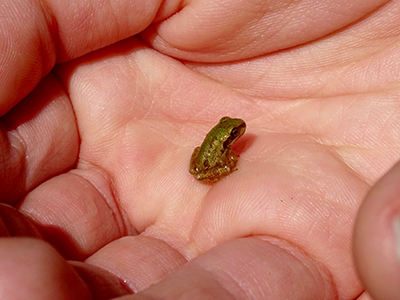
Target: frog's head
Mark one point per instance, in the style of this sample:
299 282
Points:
233 129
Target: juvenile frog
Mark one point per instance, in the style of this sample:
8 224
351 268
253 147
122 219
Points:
214 159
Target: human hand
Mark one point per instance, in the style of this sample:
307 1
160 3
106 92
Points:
101 148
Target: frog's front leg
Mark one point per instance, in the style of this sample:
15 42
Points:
231 160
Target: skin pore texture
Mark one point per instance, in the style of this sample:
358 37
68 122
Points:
103 102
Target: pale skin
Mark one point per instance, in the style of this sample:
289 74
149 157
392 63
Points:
99 150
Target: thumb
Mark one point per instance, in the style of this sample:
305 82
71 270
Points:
35 35
376 246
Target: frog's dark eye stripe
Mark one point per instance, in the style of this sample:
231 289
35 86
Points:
232 137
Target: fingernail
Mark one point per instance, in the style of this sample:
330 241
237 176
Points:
396 226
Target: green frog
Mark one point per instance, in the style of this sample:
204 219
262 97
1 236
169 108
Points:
214 159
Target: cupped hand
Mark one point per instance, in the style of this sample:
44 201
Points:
103 104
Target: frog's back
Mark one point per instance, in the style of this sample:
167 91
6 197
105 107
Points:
214 145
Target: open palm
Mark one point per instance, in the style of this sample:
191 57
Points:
103 145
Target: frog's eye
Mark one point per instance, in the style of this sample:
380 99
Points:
234 132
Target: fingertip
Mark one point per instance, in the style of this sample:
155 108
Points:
377 238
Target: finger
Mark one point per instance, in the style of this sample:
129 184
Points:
13 223
377 238
21 255
76 212
213 32
102 284
141 260
31 269
31 43
242 269
39 139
